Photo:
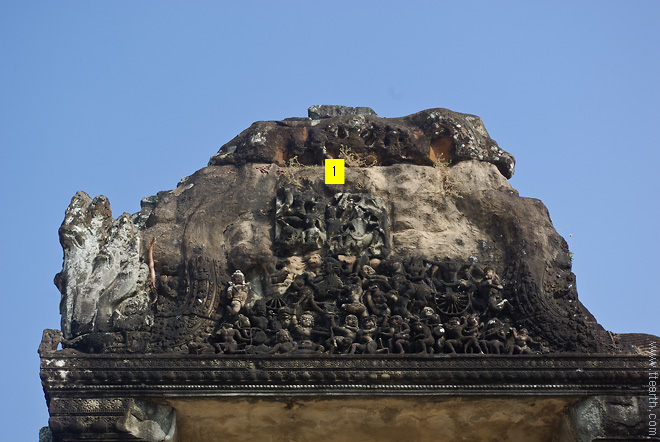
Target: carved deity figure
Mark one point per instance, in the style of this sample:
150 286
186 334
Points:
521 343
227 339
397 334
495 336
237 293
422 337
366 337
342 338
285 344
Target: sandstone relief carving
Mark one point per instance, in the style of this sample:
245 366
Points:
246 262
389 306
103 280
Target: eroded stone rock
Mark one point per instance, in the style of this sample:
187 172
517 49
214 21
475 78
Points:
328 111
424 138
149 422
404 234
103 280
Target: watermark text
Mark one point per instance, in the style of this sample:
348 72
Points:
653 389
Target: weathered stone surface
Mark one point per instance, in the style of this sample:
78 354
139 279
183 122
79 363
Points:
327 111
371 419
403 234
423 138
262 283
150 422
609 418
468 211
45 434
103 279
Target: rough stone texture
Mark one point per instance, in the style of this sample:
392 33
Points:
423 138
88 394
327 111
45 434
608 418
371 419
262 271
149 422
103 279
228 216
226 212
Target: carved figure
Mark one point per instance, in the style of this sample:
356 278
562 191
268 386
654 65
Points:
258 315
304 326
521 341
227 339
490 284
495 336
397 334
342 338
237 293
496 305
306 299
285 344
366 342
422 337
454 334
352 298
376 301
471 334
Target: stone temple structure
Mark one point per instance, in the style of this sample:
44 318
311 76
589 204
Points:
423 299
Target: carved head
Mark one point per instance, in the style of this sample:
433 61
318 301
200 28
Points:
473 320
284 314
314 261
307 319
369 322
283 336
454 321
242 322
238 278
351 321
427 312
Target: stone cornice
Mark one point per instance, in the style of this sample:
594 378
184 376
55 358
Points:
67 374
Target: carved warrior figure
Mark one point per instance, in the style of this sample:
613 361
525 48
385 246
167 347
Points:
300 323
237 293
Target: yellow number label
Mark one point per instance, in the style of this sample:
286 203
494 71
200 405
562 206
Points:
334 171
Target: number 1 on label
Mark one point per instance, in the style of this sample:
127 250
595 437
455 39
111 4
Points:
334 171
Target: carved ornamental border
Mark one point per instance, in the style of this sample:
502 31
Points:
204 375
88 395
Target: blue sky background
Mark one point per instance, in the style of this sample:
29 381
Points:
125 98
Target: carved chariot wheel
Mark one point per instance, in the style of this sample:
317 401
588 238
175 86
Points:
453 303
275 303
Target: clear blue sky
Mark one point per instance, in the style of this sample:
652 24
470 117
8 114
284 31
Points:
125 98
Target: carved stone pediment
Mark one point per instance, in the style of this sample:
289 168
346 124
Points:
426 275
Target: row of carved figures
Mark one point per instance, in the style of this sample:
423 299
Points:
413 306
424 335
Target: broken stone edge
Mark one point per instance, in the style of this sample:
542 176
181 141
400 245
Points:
424 138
